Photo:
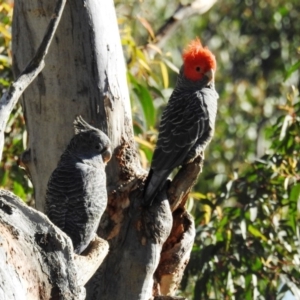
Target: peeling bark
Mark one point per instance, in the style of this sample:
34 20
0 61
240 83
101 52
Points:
127 273
36 257
175 254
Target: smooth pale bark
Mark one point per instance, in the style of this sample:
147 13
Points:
37 259
84 74
34 67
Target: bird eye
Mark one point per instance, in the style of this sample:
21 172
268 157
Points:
97 147
198 69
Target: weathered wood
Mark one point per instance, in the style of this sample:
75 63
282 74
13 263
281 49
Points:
89 261
36 257
175 254
183 182
127 272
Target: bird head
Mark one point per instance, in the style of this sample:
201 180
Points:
89 141
198 62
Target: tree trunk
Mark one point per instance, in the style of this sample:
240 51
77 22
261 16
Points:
85 74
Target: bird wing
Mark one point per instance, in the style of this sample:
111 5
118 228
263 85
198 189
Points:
183 121
93 202
75 201
64 186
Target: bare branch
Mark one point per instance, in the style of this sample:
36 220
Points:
197 7
90 260
37 258
35 66
175 254
183 182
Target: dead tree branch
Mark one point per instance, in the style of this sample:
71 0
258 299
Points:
175 254
37 259
183 182
183 12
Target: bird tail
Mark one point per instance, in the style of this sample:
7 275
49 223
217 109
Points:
154 183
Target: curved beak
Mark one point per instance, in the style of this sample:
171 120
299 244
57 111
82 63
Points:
210 74
106 155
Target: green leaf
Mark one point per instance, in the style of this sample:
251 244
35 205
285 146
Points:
4 178
145 100
291 70
256 232
165 75
198 195
19 190
147 105
295 192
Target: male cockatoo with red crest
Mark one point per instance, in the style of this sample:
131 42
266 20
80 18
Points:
188 121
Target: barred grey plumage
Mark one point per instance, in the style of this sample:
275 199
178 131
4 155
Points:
188 121
76 194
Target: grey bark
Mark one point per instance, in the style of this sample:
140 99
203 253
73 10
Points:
84 74
37 259
127 273
36 64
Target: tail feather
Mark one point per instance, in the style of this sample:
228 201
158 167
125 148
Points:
154 182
